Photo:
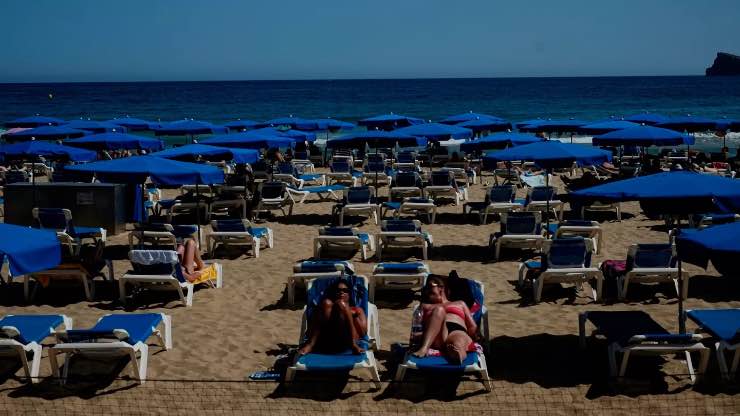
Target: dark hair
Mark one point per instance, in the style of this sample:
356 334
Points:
436 279
333 290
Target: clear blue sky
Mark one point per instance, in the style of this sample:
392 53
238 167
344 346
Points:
78 40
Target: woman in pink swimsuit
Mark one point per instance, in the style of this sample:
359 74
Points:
448 325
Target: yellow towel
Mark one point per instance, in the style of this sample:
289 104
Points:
207 275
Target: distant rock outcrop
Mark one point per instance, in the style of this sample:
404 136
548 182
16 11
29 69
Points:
724 64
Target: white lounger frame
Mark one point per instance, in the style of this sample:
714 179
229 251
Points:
652 275
10 347
113 349
404 239
638 347
350 241
214 238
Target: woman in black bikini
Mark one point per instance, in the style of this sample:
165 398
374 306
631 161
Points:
448 325
336 324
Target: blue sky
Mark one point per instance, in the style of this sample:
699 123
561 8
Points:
76 40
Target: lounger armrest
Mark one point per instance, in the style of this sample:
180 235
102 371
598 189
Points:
665 338
9 332
89 335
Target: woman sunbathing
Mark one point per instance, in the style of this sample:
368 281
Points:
193 268
448 326
336 324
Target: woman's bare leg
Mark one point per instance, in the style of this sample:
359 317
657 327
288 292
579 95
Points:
320 317
433 328
456 346
344 312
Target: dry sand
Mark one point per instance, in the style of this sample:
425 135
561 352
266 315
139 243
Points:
535 361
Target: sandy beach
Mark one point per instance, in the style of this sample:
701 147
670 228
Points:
229 333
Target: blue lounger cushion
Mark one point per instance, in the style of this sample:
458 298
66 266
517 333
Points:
439 364
139 327
621 326
670 338
310 176
79 231
343 361
324 266
322 188
401 267
32 328
723 324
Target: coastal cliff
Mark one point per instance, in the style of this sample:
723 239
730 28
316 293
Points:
724 64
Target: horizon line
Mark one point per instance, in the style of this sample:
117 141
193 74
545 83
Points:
344 79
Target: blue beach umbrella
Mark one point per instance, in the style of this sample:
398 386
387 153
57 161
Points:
296 135
689 123
94 126
551 154
436 131
500 141
671 192
377 138
196 151
289 121
189 128
248 140
643 136
606 126
29 250
137 169
461 118
135 124
650 119
323 124
486 124
46 133
389 122
548 155
34 121
116 141
241 125
533 122
31 150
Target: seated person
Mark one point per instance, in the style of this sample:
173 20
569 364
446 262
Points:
448 325
193 268
587 180
336 324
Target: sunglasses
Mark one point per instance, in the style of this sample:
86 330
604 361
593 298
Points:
343 290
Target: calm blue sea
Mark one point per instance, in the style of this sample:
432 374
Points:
512 98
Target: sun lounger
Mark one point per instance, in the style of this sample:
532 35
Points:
499 199
537 200
358 200
60 220
724 326
73 268
187 206
312 269
342 173
160 269
602 206
159 234
519 230
636 333
114 335
21 334
406 160
409 276
345 361
506 176
223 203
403 233
474 363
534 180
412 206
376 173
288 173
273 196
586 229
706 220
346 237
406 184
442 183
651 263
241 232
565 260
324 192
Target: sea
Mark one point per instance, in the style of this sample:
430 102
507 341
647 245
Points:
515 99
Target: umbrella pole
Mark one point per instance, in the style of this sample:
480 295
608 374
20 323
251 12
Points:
547 202
681 317
197 210
143 212
33 184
